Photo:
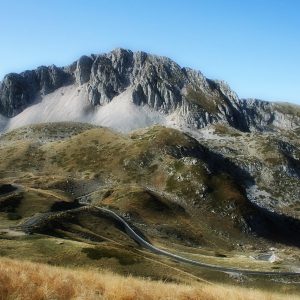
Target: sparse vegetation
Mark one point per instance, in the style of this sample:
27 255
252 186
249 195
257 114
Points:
199 98
287 108
226 130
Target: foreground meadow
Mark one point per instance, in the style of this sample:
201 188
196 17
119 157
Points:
34 281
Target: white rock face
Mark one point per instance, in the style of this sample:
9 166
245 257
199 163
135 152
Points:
64 104
71 104
123 115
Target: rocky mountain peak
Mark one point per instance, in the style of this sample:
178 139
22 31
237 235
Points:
153 81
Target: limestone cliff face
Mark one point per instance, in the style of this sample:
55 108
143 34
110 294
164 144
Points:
154 81
261 115
18 91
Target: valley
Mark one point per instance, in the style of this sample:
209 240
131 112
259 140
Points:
170 188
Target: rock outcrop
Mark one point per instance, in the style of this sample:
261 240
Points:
18 91
155 81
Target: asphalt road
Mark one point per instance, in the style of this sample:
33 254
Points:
31 222
131 233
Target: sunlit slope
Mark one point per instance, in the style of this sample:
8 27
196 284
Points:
149 174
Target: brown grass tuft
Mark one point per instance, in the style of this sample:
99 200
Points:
32 281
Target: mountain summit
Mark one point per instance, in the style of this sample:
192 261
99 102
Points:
127 90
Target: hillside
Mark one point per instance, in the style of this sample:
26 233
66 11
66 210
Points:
183 195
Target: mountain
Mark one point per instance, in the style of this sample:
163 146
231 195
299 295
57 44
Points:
126 90
184 163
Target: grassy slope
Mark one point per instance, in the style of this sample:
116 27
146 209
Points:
157 157
155 177
160 158
24 280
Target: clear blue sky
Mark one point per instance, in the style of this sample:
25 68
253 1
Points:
254 45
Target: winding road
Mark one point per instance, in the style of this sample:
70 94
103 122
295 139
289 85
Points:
131 233
33 221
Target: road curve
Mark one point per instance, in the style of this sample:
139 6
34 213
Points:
131 233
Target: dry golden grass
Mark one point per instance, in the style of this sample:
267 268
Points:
26 280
